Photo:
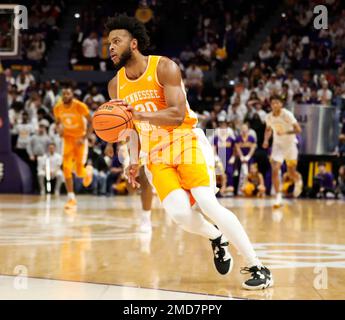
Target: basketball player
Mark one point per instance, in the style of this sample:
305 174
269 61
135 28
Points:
151 88
284 126
73 121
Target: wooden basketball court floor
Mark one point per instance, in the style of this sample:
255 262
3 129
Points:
98 253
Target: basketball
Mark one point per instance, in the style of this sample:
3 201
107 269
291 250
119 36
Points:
110 120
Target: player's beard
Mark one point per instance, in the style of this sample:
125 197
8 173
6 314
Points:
124 58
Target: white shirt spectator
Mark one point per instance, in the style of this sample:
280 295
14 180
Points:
99 98
23 82
55 162
194 74
24 131
90 48
262 93
293 84
325 96
274 86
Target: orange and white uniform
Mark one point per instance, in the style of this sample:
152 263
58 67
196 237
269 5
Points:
74 128
176 157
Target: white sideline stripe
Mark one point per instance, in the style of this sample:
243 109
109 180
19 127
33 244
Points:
45 289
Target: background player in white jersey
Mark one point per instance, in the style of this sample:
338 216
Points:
284 126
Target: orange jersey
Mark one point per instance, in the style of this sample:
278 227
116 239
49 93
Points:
72 118
146 94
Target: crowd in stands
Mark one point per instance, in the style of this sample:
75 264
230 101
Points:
207 32
41 33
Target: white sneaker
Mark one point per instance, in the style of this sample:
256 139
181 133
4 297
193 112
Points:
145 226
278 201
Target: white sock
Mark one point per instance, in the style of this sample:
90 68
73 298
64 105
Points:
71 195
279 197
177 206
145 215
227 223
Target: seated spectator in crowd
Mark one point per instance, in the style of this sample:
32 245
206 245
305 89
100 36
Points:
292 82
194 79
24 130
95 96
341 182
90 50
187 55
305 91
224 147
236 111
10 80
116 171
288 188
324 94
274 85
100 167
49 169
265 54
245 147
253 184
324 183
23 80
314 97
262 92
286 93
39 142
37 48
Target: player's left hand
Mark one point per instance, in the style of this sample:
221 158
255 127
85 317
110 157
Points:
132 172
131 109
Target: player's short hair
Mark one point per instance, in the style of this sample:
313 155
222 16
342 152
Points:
133 26
276 97
321 164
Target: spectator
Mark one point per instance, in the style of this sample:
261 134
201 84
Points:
253 184
9 78
24 130
324 183
95 96
224 146
23 80
50 162
314 97
292 82
341 182
100 167
90 50
245 147
262 93
274 86
39 142
194 79
37 48
187 55
324 94
265 54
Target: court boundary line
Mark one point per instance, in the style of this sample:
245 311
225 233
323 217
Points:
128 286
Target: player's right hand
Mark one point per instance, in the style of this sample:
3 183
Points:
109 150
132 172
265 145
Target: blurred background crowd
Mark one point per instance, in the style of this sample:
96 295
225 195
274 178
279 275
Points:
295 61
